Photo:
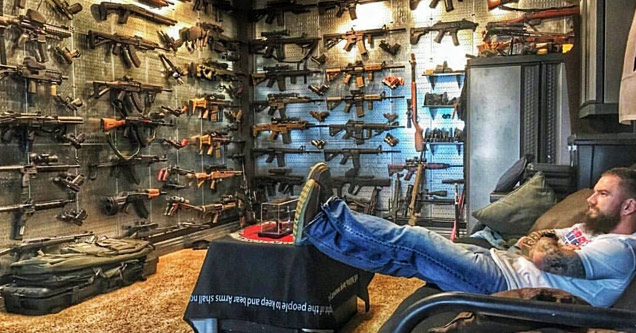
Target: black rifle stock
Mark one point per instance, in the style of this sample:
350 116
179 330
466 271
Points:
442 29
125 46
278 73
126 92
278 102
21 212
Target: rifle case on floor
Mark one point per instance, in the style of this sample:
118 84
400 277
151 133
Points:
49 283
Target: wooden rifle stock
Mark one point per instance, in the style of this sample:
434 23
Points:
419 132
414 194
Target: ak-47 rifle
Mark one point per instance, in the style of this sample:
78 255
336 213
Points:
343 5
214 173
31 246
356 183
134 127
361 131
278 73
357 98
34 74
411 165
39 163
124 11
63 8
117 164
283 177
211 106
279 153
21 212
517 27
26 125
357 38
272 45
126 91
276 9
443 28
353 154
32 27
278 102
214 141
125 46
225 203
121 202
358 70
283 127
213 71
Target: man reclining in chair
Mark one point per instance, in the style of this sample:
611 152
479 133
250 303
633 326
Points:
594 260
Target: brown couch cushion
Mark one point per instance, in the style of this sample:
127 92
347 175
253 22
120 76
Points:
513 215
566 213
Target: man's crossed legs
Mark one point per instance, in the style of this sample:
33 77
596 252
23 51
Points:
377 245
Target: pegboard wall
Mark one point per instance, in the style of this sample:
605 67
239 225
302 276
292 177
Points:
429 54
100 64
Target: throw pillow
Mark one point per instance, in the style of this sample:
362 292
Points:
514 214
566 213
512 176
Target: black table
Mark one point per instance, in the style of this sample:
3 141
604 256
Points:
253 286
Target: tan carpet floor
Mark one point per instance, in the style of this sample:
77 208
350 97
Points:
158 304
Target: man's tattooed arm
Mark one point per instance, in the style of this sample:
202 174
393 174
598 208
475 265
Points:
549 257
527 242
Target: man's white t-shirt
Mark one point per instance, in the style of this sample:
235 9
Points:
609 261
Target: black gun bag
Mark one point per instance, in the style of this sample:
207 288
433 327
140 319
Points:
51 282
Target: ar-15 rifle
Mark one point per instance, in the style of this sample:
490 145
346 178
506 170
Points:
343 5
278 102
211 106
124 11
117 164
122 201
21 212
357 38
26 125
366 206
442 29
411 165
273 44
361 131
213 71
134 126
353 154
32 27
126 91
279 153
63 8
276 10
356 183
214 141
125 46
357 98
39 163
358 70
214 174
34 74
283 127
35 244
278 73
283 177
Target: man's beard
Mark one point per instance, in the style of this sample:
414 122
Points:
601 223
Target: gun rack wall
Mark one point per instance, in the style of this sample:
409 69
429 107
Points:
99 64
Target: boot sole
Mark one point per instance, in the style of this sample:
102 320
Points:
301 208
314 169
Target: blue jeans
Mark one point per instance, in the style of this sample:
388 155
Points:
377 245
